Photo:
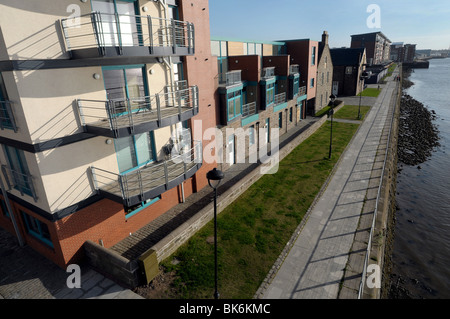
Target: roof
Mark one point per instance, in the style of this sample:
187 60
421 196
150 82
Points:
370 35
346 56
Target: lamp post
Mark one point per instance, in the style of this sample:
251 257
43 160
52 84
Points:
364 76
214 178
330 114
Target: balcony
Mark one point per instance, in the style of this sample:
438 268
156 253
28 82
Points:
19 181
111 35
7 120
230 78
302 91
151 180
268 73
280 98
294 69
249 109
119 118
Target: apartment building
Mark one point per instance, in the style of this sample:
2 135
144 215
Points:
99 107
377 46
324 74
259 90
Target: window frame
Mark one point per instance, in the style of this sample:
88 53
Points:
30 221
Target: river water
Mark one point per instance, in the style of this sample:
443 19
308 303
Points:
421 253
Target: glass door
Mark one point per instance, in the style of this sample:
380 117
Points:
118 22
134 151
125 86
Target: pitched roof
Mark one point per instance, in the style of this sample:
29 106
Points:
346 56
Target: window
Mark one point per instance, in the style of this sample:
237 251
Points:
311 83
290 114
313 56
37 229
296 85
5 108
349 70
280 120
234 101
131 211
323 78
270 94
134 151
19 169
328 77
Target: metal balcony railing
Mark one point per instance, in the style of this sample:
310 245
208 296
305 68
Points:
101 30
114 115
151 180
7 119
20 181
268 72
302 91
294 69
248 109
280 98
230 78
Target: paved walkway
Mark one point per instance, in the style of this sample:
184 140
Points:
25 274
315 264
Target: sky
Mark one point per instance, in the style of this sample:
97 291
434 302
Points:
422 22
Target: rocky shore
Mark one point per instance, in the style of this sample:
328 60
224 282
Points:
418 136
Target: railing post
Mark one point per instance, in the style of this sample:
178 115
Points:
94 178
130 115
150 33
178 94
80 113
141 186
119 34
166 174
174 40
158 107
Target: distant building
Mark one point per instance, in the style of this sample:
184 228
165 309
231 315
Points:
397 52
324 74
409 53
348 65
377 46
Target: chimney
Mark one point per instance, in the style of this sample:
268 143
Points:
325 38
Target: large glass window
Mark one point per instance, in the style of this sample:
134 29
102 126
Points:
125 86
134 151
270 94
123 32
234 101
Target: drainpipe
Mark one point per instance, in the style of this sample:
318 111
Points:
11 214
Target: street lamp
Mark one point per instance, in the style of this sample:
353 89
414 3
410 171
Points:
214 178
364 76
330 114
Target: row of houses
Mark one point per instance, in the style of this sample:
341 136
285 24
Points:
103 113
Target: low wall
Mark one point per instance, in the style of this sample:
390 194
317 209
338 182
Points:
112 264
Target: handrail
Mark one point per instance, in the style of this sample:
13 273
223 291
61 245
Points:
124 112
280 98
150 175
369 244
248 109
230 77
101 30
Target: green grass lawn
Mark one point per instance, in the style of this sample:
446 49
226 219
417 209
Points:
253 230
372 92
350 112
323 111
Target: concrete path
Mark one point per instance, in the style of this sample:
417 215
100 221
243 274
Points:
25 274
314 266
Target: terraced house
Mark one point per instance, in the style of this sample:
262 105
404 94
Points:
98 101
259 90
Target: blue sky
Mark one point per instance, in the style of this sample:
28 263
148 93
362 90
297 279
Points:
422 22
